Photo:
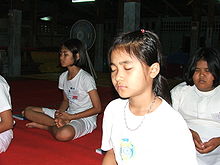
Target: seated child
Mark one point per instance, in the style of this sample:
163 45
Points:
78 110
141 127
198 101
6 120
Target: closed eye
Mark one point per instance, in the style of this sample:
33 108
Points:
113 68
128 68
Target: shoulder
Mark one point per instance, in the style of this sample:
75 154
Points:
170 114
217 88
167 108
116 105
63 75
3 82
164 106
180 88
85 75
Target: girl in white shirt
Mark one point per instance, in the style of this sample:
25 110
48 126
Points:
198 100
141 127
6 120
78 110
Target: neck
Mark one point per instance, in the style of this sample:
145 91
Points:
72 71
143 105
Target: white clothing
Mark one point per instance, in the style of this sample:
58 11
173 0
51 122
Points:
5 101
162 138
81 126
201 110
76 91
5 104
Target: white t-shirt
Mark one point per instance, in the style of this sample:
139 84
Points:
5 99
163 137
201 110
5 104
77 90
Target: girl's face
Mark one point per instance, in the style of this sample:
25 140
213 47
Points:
66 57
129 76
202 77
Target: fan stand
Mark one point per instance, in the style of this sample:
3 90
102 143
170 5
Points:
84 31
91 68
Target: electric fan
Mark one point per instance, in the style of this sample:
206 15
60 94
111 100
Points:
85 32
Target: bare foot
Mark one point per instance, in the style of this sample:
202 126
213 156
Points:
60 122
36 125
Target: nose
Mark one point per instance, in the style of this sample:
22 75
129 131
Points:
118 75
202 73
61 56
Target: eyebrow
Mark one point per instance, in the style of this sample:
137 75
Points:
63 51
122 62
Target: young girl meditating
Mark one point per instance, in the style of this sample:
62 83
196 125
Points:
141 127
6 120
78 111
197 99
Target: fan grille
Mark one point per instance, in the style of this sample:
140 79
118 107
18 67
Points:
84 31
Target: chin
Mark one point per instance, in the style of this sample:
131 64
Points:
204 89
124 96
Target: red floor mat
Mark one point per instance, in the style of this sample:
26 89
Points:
37 147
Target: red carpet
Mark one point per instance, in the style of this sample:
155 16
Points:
37 147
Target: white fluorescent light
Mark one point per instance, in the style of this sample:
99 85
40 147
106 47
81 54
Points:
77 1
48 18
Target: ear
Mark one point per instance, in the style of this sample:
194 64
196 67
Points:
154 69
77 56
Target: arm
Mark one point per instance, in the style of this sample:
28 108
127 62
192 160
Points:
210 145
64 104
6 122
205 147
109 158
197 141
96 109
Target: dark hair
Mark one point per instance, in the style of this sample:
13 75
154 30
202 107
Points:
145 45
76 46
212 57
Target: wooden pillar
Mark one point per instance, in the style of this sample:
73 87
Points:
98 57
34 24
195 28
210 23
131 15
120 16
14 48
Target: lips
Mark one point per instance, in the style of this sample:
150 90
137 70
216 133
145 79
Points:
120 87
202 81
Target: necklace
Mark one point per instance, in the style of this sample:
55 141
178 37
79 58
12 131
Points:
139 125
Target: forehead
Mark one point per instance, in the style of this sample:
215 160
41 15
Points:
202 64
64 49
121 54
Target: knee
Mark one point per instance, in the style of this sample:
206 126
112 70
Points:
27 111
66 133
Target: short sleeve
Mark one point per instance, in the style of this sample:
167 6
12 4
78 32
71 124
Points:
88 82
107 128
61 80
5 101
176 94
